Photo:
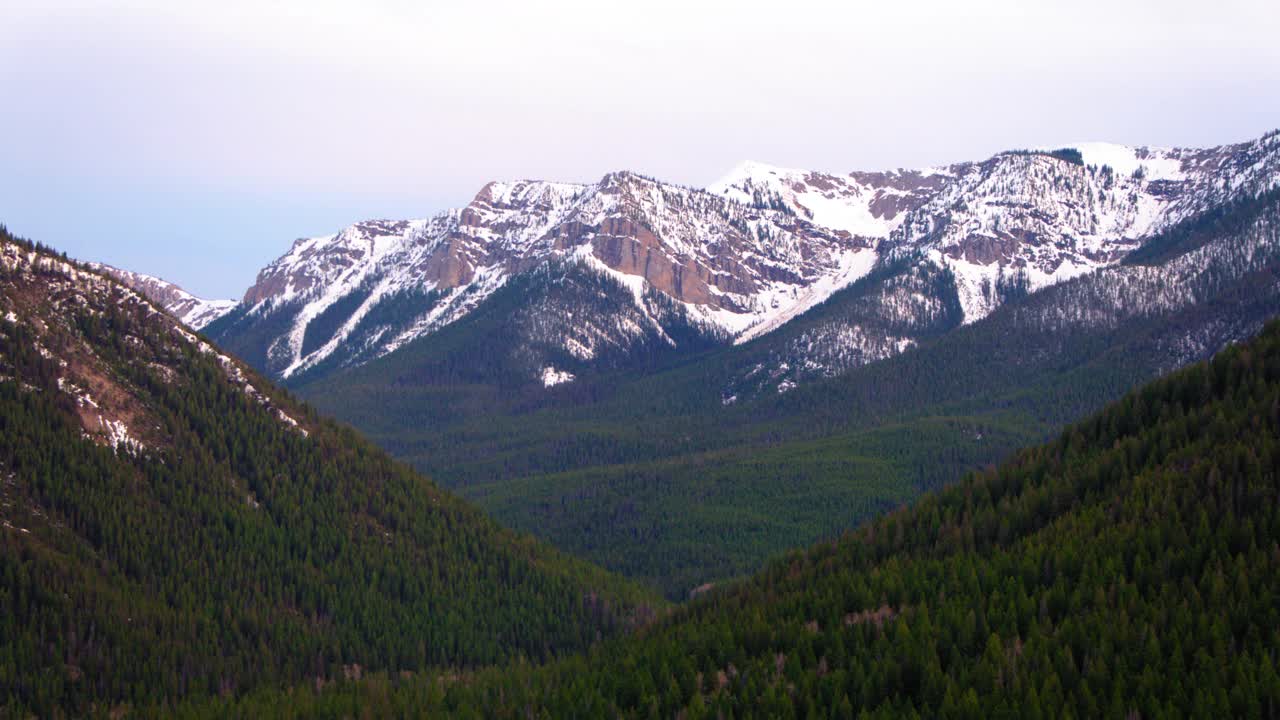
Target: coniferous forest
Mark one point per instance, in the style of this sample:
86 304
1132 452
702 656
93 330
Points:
231 549
1130 568
237 555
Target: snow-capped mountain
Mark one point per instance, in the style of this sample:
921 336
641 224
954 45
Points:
928 249
1219 269
194 312
376 286
1038 218
991 232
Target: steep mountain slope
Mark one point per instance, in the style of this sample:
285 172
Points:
652 474
998 230
172 525
1044 217
1127 569
1030 218
909 303
194 312
869 206
561 320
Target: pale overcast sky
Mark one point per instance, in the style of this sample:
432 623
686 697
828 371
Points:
195 141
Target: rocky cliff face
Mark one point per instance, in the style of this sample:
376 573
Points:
749 254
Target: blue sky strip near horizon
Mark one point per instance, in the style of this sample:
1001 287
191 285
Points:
195 141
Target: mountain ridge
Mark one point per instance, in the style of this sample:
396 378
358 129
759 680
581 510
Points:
756 249
194 312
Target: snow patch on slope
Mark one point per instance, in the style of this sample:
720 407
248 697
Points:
1155 163
853 266
832 201
552 377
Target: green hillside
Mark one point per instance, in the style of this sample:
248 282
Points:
237 539
1130 568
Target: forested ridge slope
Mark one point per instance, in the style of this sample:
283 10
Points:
172 526
1130 568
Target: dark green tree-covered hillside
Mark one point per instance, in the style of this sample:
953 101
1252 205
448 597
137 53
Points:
172 526
1130 568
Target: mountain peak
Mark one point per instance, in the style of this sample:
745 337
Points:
510 193
748 170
